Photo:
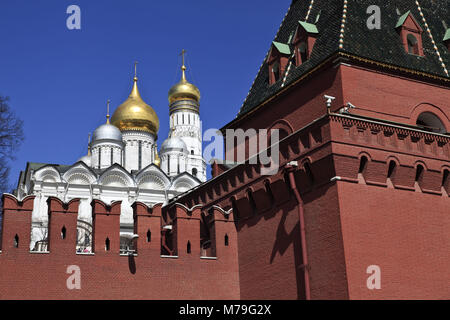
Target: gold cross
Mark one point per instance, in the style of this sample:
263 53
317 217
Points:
107 111
183 52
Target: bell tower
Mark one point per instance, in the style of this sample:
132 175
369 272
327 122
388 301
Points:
185 123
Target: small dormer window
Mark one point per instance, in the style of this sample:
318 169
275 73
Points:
276 70
302 53
303 41
410 33
278 60
413 47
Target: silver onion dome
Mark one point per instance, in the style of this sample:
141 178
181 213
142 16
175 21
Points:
174 144
107 132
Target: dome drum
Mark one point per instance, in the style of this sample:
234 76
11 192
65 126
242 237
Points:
188 105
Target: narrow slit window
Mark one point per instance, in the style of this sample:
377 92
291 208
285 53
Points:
226 240
107 244
16 241
63 233
188 249
149 236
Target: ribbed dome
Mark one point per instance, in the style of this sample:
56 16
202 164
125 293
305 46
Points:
135 114
174 144
107 132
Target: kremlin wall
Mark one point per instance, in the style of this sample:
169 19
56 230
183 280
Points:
150 273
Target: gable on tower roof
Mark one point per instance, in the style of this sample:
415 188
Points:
401 21
344 32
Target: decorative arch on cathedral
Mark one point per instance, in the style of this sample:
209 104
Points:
152 177
47 174
80 173
116 176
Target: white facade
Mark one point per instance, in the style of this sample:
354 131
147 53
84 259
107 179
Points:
140 149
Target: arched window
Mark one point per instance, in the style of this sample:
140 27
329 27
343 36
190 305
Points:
430 122
149 236
63 232
16 241
107 244
413 44
226 240
194 172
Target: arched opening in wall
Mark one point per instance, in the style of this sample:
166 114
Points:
188 248
430 122
419 174
226 240
391 170
235 208
149 236
390 174
194 172
445 178
413 44
107 244
16 241
362 168
63 232
192 152
251 201
363 164
309 173
269 191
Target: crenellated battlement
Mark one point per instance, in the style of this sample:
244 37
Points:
174 230
174 244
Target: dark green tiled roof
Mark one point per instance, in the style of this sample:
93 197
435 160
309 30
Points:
382 46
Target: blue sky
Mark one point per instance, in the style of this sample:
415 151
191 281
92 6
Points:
58 80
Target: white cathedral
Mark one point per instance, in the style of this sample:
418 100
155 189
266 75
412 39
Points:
123 164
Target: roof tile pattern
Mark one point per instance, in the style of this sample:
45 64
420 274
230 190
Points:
382 45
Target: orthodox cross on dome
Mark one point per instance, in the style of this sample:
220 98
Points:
183 66
107 111
135 70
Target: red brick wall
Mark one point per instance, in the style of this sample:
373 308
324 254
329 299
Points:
393 98
405 233
25 275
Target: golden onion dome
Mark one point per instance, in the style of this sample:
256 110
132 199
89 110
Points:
135 114
184 90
